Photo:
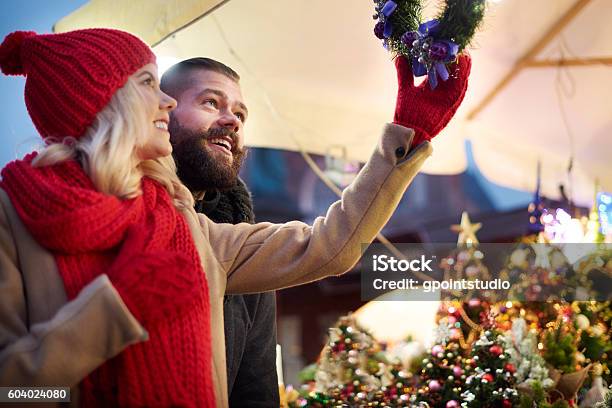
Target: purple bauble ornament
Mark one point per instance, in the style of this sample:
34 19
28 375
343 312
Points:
463 256
438 50
452 404
434 385
409 37
379 30
457 371
437 349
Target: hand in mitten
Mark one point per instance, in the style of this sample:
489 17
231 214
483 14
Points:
427 111
153 285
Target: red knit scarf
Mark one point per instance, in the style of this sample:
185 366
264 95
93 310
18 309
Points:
84 230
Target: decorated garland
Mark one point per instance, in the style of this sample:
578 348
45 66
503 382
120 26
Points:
432 45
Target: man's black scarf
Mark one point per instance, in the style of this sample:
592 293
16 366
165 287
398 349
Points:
230 206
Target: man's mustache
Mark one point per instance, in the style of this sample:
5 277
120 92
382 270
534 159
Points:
221 132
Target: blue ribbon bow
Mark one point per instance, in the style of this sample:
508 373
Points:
386 11
430 56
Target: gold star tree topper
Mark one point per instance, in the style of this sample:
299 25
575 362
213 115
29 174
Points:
466 230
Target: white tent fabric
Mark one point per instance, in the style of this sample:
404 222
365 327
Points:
315 77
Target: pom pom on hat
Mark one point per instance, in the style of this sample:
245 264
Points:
10 52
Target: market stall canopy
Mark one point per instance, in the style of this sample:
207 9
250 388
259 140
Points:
316 78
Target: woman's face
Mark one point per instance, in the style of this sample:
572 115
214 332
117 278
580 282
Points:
157 106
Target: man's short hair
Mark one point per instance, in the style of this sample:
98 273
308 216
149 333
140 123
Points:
174 80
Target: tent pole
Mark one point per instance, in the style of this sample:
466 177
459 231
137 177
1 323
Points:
569 62
530 55
216 4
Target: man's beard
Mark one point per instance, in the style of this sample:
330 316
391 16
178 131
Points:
197 167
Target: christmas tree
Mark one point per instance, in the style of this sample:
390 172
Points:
488 352
462 310
491 381
442 375
538 272
521 346
353 371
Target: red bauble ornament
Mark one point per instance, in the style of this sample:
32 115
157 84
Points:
510 368
496 350
338 347
506 403
488 377
348 390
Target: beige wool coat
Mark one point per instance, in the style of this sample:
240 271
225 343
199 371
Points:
47 340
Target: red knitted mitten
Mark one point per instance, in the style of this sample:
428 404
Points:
427 111
154 286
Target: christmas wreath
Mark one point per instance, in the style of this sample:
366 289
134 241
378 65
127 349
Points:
429 46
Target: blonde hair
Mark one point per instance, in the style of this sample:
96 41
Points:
107 151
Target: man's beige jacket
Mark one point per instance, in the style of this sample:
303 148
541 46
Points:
47 340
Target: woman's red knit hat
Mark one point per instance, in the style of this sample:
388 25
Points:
71 76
